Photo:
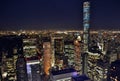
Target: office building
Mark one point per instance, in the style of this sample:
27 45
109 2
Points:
30 47
21 69
69 53
63 75
11 46
47 51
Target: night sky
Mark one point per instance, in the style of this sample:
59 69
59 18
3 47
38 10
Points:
57 14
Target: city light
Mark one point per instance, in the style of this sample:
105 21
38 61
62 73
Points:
60 55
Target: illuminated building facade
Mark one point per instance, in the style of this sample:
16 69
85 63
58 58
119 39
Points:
86 25
77 57
57 43
29 47
9 68
33 70
69 53
32 50
78 51
10 46
47 54
58 47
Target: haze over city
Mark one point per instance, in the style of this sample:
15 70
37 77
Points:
60 14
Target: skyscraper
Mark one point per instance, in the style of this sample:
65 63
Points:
29 47
35 70
86 25
47 50
10 47
69 53
21 69
57 48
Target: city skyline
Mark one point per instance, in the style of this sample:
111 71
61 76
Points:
49 52
57 15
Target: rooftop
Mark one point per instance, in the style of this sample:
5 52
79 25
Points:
70 70
80 78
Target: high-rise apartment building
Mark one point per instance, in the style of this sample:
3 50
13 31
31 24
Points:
10 46
57 43
86 25
35 70
21 69
29 47
59 54
69 53
47 51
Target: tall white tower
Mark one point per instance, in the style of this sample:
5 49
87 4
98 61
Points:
86 25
